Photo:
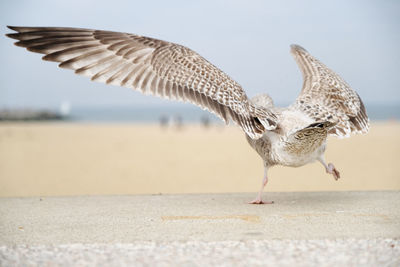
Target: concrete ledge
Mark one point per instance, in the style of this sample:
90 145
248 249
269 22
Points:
198 217
341 252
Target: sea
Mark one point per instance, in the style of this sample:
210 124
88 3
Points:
186 113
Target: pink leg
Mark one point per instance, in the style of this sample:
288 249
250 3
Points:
258 199
330 168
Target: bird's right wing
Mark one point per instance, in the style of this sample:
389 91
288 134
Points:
152 66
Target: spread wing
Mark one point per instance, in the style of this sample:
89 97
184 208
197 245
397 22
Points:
149 65
327 97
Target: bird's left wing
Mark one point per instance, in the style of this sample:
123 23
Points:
327 97
149 65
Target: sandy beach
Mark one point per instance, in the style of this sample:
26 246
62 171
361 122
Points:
53 159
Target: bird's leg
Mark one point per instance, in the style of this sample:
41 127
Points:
330 168
258 199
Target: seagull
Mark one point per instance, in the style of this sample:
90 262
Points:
292 136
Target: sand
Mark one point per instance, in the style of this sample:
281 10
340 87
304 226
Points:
53 159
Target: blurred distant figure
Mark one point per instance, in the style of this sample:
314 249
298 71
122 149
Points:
164 121
205 121
178 121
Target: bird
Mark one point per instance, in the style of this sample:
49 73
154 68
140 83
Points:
292 136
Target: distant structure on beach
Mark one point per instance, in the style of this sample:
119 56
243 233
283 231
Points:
65 108
29 115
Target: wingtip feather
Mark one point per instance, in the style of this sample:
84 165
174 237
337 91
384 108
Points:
20 29
12 35
14 28
297 48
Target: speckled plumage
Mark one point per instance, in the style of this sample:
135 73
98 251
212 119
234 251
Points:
291 136
325 101
325 96
149 65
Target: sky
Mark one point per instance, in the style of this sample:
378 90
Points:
249 40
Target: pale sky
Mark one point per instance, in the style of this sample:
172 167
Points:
249 40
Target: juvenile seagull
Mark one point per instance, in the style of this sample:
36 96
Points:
292 136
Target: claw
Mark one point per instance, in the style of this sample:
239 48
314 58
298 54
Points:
332 170
336 174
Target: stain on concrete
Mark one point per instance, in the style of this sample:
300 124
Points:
247 218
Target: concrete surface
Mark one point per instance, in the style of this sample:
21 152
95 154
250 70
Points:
306 229
207 217
349 252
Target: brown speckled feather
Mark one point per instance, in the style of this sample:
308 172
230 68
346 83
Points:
152 66
327 97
